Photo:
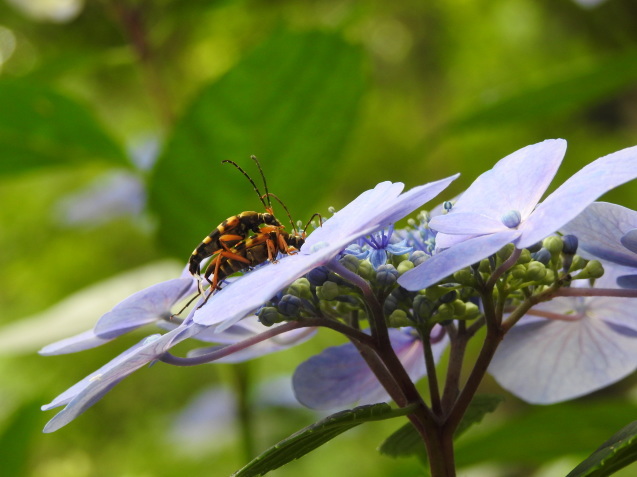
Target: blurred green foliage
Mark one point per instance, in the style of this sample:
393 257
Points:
333 96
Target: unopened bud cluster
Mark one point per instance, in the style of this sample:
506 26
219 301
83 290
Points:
324 293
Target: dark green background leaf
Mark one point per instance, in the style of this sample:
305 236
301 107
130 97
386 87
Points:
406 441
17 438
614 454
311 437
292 103
41 127
481 405
550 432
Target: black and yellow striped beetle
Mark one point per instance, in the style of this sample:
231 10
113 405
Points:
249 253
234 229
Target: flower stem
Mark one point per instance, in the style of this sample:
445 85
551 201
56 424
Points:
242 380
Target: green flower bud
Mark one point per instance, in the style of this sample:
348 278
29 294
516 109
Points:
471 312
366 270
445 312
593 269
465 278
485 266
578 263
404 266
525 256
269 315
423 307
549 279
535 272
518 272
553 244
386 275
505 252
398 318
329 291
459 307
350 262
300 288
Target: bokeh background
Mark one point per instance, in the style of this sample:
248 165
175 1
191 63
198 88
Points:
114 118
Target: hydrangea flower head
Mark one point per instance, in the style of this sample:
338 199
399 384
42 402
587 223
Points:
371 211
502 206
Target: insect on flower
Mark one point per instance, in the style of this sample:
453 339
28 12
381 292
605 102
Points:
253 251
235 229
231 248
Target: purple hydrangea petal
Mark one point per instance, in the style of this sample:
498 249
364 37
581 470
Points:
339 377
377 258
629 240
599 230
516 182
444 241
399 248
627 281
546 361
412 200
91 389
144 307
458 223
577 193
68 395
233 303
80 342
373 210
444 263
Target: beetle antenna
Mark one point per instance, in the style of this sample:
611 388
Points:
265 184
256 189
310 221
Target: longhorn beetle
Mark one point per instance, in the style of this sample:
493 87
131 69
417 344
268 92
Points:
254 251
235 229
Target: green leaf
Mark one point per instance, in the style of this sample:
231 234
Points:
17 438
41 127
406 441
292 102
481 405
545 433
564 94
614 454
311 437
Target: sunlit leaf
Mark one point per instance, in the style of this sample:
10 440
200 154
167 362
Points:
292 102
614 454
42 127
311 437
572 91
